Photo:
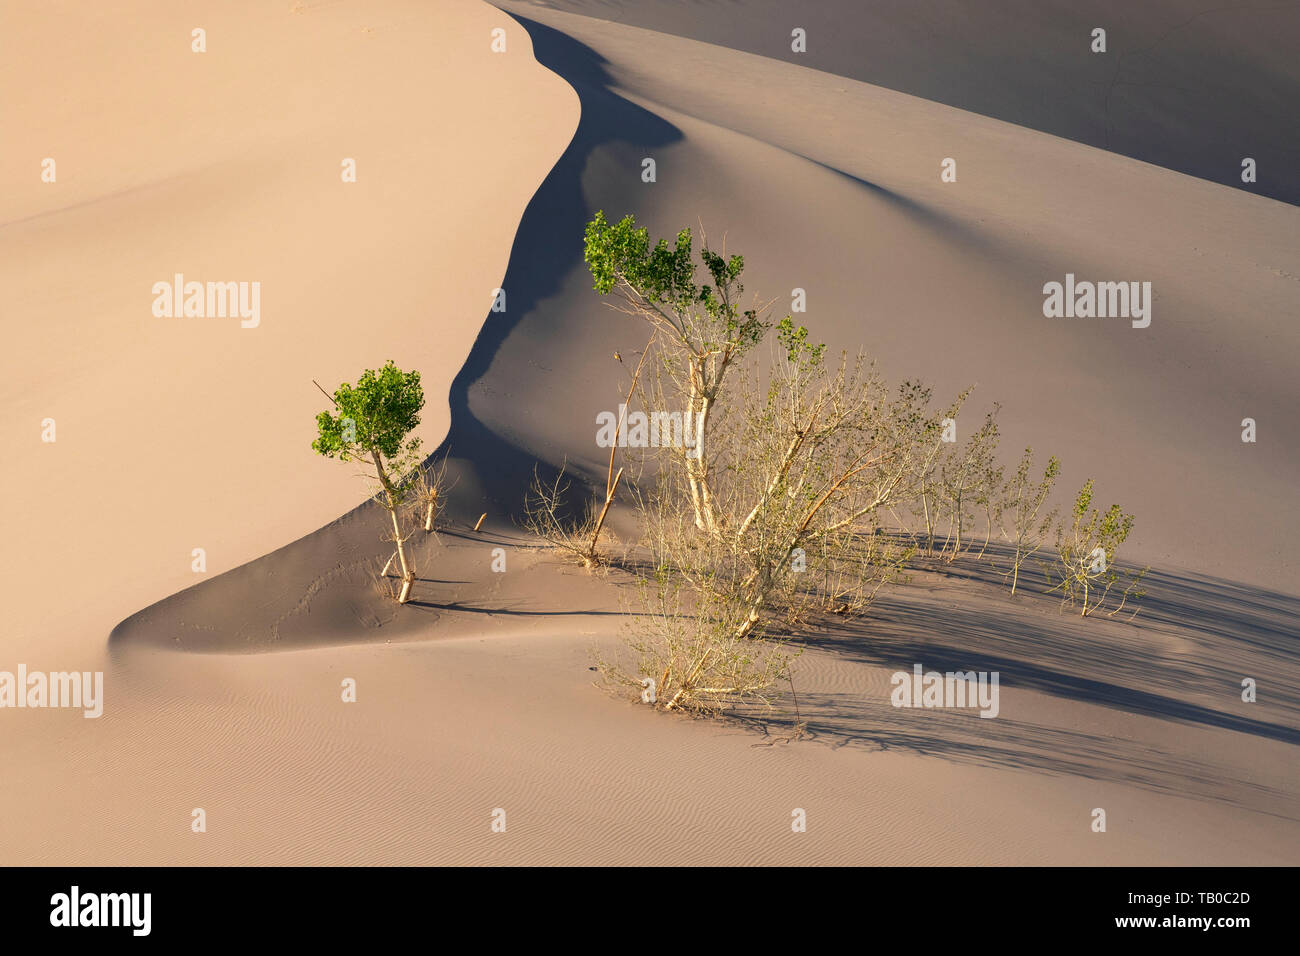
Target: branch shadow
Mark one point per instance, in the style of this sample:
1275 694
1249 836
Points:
1200 636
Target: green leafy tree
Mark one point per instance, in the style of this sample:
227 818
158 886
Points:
370 425
702 324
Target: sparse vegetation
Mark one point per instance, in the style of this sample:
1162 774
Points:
429 487
688 657
1023 502
773 511
547 515
963 481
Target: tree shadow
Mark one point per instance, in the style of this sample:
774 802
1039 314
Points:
1181 660
842 720
499 609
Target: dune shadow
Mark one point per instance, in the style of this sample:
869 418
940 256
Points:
548 246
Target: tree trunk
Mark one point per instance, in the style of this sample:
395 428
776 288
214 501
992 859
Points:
929 527
692 478
397 536
390 502
956 544
701 465
761 589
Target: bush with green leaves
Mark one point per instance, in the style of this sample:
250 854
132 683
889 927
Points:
371 425
1024 504
1084 572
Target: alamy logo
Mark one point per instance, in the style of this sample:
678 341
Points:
951 689
84 689
208 300
1102 300
656 430
74 908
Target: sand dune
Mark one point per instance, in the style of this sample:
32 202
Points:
478 695
945 281
175 434
1192 86
181 433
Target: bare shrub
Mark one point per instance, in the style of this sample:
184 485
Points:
427 492
548 514
688 657
856 566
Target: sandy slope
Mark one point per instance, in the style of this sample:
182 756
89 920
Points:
1193 85
175 434
500 711
831 185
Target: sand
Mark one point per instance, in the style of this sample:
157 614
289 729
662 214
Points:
479 695
1191 85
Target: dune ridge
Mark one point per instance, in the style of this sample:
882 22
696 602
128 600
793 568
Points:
1191 86
176 434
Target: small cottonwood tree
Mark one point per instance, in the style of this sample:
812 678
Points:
702 326
962 480
770 511
370 425
990 501
925 489
1084 571
1024 506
